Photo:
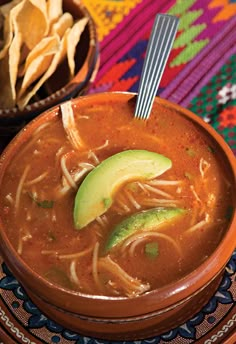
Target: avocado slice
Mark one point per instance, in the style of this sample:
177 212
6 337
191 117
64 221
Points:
146 220
95 194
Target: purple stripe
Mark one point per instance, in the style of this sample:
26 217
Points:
212 28
194 92
207 16
189 78
201 4
211 31
128 32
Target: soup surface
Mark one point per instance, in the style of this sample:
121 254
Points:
39 189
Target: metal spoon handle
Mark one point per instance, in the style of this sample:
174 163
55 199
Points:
158 50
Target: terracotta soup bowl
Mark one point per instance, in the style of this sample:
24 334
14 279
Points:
118 228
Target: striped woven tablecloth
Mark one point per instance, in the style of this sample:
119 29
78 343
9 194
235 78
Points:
200 75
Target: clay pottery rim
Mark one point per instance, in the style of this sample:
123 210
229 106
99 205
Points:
151 303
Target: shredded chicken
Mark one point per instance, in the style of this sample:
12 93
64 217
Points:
70 127
132 286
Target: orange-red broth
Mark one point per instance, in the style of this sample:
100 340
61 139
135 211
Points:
44 235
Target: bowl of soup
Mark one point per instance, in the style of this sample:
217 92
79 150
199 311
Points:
49 55
118 228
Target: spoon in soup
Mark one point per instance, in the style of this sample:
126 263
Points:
158 50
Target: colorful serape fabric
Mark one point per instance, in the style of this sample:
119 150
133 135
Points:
202 59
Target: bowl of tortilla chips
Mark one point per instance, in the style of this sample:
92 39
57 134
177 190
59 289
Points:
48 54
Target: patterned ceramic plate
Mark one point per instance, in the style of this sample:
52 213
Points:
22 322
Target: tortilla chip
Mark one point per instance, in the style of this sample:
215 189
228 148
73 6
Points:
64 22
54 10
47 46
9 59
14 59
1 25
36 26
39 60
7 100
73 39
57 59
6 8
7 36
35 36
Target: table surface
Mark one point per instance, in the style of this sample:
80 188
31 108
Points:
200 75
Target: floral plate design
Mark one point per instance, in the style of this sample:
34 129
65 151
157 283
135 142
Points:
22 322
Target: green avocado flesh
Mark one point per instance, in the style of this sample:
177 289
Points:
96 192
146 220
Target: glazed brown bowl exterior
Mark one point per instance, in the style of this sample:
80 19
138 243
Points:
121 318
59 87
